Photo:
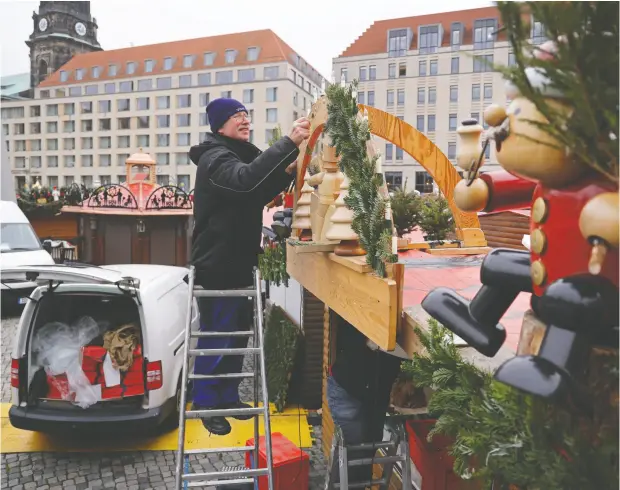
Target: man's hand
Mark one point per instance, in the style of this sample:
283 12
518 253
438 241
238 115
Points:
300 130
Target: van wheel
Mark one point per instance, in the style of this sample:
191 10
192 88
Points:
172 422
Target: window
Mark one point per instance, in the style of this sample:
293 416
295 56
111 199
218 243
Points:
105 142
52 110
420 123
230 55
433 67
164 83
397 42
183 139
400 96
432 95
35 145
252 54
484 33
185 81
105 161
125 86
268 135
163 102
75 91
454 93
272 94
143 122
251 136
35 128
105 106
68 161
183 180
45 94
475 92
19 128
272 115
79 73
64 75
87 143
162 121
487 152
392 70
226 94
421 95
163 179
371 98
390 98
183 101
20 162
105 124
35 111
452 122
475 115
204 100
423 182
182 159
122 105
372 72
188 60
105 179
145 84
488 91
68 127
248 96
92 89
183 120
162 139
511 59
456 35
361 96
271 72
52 161
429 39
538 32
422 68
87 161
451 150
123 123
143 140
344 75
246 75
87 180
209 58
130 68
430 123
363 73
123 141
454 66
224 77
402 69
389 147
168 63
399 153
52 127
162 158
20 145
110 88
112 70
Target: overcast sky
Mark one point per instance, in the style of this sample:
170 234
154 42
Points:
318 30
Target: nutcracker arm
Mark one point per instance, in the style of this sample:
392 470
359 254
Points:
316 179
507 191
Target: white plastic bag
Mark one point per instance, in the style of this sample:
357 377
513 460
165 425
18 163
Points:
57 347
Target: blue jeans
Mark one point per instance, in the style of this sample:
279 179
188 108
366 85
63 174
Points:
221 315
349 414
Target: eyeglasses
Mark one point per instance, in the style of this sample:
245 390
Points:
241 116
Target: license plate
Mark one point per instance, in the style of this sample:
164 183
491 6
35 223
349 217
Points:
22 301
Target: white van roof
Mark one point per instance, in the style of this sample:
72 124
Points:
10 213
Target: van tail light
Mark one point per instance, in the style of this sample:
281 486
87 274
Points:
154 376
15 373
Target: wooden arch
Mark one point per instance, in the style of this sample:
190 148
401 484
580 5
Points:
414 143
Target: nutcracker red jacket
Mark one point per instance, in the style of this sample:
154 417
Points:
234 181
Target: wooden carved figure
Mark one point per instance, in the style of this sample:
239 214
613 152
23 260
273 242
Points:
339 227
301 221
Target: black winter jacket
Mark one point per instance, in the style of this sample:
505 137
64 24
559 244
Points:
234 181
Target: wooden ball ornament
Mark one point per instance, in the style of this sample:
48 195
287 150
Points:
472 198
599 218
494 115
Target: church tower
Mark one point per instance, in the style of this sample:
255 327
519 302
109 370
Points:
61 30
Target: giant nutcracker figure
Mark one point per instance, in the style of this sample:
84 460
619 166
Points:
572 266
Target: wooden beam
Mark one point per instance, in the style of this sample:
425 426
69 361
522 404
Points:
358 264
366 301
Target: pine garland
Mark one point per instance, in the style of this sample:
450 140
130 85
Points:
349 135
504 436
272 263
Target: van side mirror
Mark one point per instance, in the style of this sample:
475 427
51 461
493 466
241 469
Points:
47 246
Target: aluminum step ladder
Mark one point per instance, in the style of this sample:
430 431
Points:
185 479
341 460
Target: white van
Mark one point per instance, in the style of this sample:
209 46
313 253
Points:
19 245
56 329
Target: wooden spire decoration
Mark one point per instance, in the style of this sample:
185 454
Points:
302 215
340 225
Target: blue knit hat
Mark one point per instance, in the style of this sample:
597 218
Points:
220 110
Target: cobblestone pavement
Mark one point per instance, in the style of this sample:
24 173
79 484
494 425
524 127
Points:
120 470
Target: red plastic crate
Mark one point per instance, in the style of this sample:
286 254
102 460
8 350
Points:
291 465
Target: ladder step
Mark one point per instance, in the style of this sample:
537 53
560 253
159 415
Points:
224 352
245 473
363 484
223 412
378 460
216 293
222 376
217 450
220 483
245 333
370 445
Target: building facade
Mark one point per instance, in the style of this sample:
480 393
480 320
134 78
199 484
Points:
433 71
100 107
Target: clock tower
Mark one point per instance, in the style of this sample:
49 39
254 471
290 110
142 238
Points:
61 30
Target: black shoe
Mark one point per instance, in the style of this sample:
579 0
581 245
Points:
218 426
238 405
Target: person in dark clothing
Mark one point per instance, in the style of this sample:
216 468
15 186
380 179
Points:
234 181
358 392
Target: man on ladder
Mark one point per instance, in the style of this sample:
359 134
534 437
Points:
234 181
